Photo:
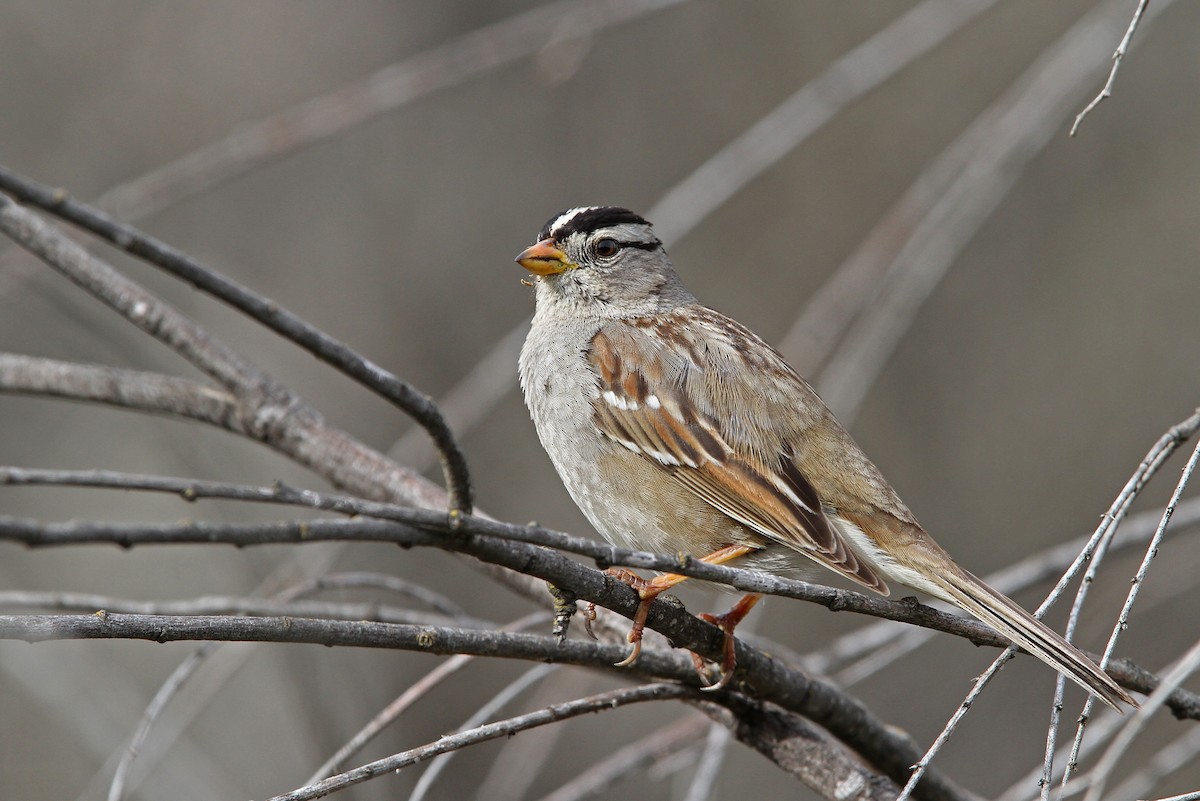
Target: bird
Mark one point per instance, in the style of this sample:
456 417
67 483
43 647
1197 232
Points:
676 429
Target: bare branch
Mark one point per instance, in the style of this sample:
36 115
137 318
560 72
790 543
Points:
1093 552
1119 54
890 750
505 728
129 389
224 605
804 751
1187 665
266 312
498 543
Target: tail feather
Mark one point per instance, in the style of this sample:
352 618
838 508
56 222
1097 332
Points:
1004 615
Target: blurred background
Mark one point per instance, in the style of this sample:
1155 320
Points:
1023 384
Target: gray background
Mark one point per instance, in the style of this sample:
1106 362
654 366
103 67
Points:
1061 344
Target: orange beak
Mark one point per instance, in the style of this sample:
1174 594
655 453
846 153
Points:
544 258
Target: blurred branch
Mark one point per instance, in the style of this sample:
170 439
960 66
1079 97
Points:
654 747
768 140
415 692
933 222
252 146
491 731
495 703
1099 776
109 286
1119 54
712 757
1177 754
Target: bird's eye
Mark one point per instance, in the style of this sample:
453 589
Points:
606 248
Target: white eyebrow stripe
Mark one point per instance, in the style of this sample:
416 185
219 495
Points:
567 216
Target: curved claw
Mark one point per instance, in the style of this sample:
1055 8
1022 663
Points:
634 652
722 683
589 617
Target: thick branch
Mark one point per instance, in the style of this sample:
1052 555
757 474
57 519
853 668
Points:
802 750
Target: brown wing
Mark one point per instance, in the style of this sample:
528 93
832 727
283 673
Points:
653 401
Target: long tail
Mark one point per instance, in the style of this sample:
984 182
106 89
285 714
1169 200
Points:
1006 617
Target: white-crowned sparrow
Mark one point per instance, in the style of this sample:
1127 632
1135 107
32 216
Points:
675 428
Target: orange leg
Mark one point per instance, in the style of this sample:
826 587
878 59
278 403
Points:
649 589
727 623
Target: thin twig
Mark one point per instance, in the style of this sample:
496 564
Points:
1146 470
415 692
522 762
227 605
866 643
1117 55
505 728
1098 777
1027 788
1136 586
494 704
186 670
